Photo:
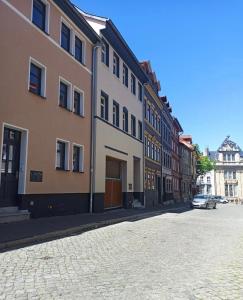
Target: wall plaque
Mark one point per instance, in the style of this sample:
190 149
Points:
36 176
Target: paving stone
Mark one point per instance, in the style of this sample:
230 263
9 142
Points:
196 254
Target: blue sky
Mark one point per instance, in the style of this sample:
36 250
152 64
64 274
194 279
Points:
196 50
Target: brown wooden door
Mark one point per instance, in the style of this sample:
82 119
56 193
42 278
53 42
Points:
10 167
113 193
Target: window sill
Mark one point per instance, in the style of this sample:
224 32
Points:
78 115
37 95
60 169
66 108
43 30
78 172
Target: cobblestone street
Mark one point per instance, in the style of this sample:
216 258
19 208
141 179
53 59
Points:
197 254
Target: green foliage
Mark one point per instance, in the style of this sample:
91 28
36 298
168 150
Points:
204 163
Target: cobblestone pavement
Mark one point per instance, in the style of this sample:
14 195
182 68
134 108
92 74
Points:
197 254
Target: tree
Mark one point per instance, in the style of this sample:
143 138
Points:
204 163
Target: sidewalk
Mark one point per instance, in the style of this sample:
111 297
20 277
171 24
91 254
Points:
20 234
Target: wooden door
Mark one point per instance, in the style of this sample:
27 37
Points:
113 193
10 167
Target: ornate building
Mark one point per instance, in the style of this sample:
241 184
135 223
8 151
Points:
227 178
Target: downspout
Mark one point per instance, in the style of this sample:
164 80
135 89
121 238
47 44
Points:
143 128
93 125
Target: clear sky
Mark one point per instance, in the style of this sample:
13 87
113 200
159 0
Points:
196 50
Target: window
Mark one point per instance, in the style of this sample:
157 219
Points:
148 112
159 126
140 130
125 119
62 155
104 106
152 151
145 109
79 50
133 84
140 92
115 113
37 78
78 103
148 148
152 117
230 190
116 65
145 146
105 53
77 158
39 14
65 94
133 125
125 75
66 37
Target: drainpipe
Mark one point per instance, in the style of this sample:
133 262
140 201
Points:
143 128
93 124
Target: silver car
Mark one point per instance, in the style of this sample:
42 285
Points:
203 201
220 199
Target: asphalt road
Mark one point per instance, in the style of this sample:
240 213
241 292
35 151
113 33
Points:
196 254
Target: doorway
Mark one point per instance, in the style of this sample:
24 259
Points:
113 184
10 163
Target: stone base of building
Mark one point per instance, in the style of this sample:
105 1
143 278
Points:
47 205
151 199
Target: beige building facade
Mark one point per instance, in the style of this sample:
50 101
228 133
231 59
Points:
118 121
228 173
45 106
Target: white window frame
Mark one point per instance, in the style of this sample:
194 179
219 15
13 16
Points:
43 75
115 110
70 93
76 34
67 151
133 84
47 17
72 36
81 92
116 66
81 157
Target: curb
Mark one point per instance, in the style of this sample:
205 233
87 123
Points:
77 230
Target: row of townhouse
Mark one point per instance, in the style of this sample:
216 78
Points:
83 127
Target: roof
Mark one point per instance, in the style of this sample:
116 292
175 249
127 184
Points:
229 145
187 141
177 124
114 37
146 65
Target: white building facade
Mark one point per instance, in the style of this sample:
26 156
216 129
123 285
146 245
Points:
118 121
227 178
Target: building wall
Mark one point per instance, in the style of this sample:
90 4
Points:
167 126
112 141
152 184
44 119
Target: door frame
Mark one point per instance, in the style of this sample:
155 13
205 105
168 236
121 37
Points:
23 155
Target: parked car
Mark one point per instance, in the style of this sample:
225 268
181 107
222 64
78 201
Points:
203 201
220 199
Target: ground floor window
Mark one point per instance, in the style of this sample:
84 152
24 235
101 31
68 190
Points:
150 178
230 190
